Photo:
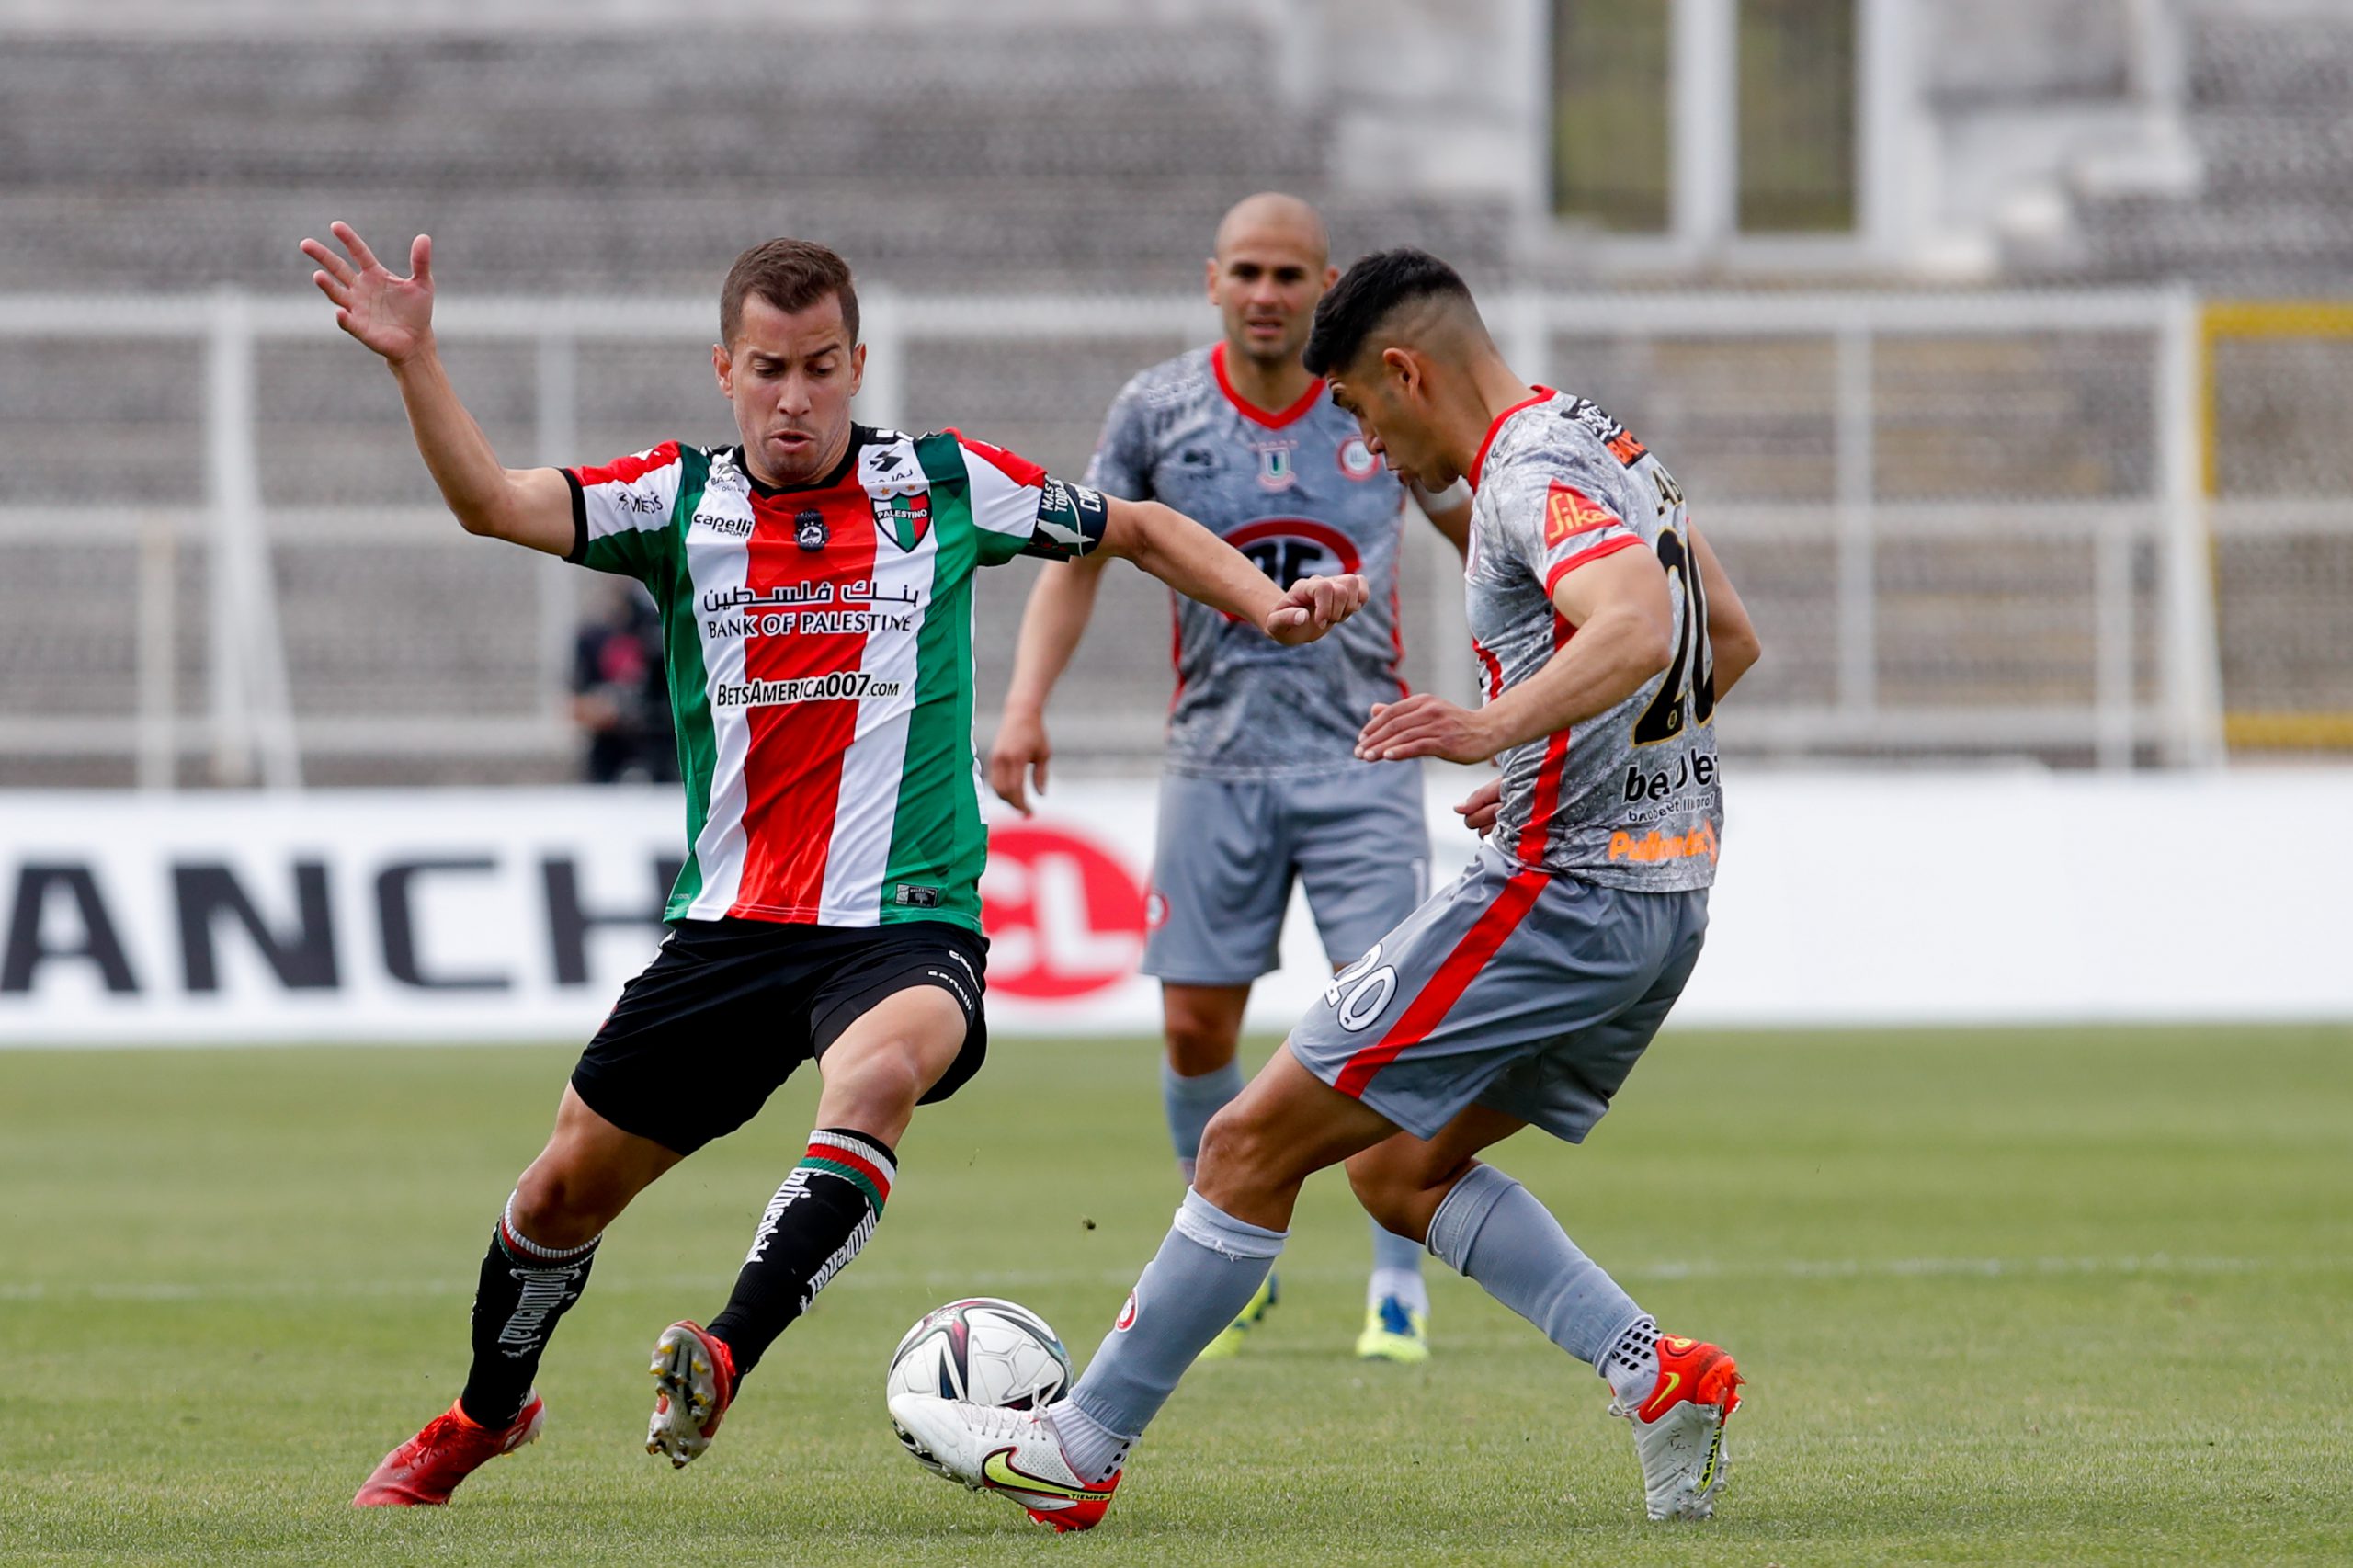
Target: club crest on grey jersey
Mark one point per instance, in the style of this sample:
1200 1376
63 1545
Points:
1300 495
1633 798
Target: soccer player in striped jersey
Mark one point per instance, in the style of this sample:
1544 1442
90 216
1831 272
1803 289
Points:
1520 995
814 584
1261 785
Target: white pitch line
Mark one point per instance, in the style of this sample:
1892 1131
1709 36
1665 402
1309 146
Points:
2156 1264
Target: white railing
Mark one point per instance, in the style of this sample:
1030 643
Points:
250 728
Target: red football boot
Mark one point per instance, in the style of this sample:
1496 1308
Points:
427 1468
695 1377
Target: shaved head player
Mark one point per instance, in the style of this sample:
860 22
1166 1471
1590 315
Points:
814 582
1522 994
1262 785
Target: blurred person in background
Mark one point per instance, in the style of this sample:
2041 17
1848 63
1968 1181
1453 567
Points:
816 579
620 697
1262 785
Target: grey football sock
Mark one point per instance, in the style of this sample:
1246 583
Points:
1190 1102
1492 1229
1205 1273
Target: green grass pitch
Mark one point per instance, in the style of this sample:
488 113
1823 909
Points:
2003 1297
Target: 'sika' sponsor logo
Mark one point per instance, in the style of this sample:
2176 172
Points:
1700 844
1569 511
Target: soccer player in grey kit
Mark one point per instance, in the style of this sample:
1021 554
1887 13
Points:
1262 782
1524 993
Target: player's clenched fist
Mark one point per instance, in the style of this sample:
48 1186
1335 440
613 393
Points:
1313 607
1424 725
391 315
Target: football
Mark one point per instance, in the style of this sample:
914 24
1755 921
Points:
985 1350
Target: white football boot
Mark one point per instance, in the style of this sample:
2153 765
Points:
1010 1452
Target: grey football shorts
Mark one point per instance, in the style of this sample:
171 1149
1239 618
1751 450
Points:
1523 992
1229 850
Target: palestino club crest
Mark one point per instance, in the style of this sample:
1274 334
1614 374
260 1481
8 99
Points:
1357 459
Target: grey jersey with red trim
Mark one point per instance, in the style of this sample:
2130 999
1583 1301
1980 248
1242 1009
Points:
1630 799
1299 494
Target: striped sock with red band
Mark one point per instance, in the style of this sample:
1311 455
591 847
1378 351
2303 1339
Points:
824 1213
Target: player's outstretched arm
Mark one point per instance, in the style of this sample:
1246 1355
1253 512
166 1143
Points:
1625 620
1199 565
1060 605
1732 636
394 316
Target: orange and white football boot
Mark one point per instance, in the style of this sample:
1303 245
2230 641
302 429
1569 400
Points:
1679 1429
1009 1452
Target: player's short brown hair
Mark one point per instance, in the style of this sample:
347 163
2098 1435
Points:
791 275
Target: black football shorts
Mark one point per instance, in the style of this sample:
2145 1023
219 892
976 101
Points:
728 1009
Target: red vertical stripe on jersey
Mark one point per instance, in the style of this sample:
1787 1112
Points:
792 770
1429 1007
1547 798
1495 669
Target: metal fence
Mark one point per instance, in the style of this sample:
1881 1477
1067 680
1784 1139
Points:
1967 525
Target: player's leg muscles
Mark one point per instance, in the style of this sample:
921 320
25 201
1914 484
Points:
1202 1025
1491 1229
543 1246
830 1203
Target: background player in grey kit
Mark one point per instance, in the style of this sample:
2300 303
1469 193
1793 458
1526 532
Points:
1522 994
1262 781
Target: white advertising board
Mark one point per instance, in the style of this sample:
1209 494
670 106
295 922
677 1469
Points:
1847 898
